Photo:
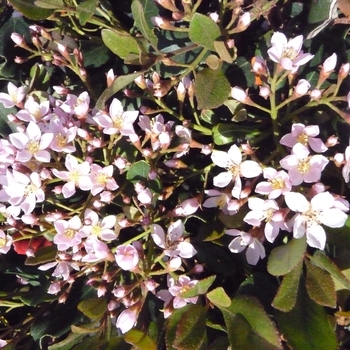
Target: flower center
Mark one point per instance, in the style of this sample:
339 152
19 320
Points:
118 121
30 189
303 166
220 201
290 53
74 177
96 230
311 217
234 169
303 139
2 242
277 184
269 214
69 233
61 140
101 178
33 146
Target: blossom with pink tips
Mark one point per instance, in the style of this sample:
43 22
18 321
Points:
32 143
127 257
278 183
310 215
302 167
304 135
117 121
68 233
255 249
232 161
76 176
173 242
301 88
102 178
288 53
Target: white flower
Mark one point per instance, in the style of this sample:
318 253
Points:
310 216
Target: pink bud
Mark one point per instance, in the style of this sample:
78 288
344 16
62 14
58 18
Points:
329 64
344 71
264 92
239 94
18 39
332 141
315 94
301 88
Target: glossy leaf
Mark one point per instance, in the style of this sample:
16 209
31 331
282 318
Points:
321 260
288 290
320 286
283 259
121 45
140 340
93 307
211 88
219 298
248 325
138 171
306 326
30 10
191 330
42 255
49 4
141 23
204 31
200 288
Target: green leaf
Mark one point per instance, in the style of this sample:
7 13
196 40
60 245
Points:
141 23
140 340
191 330
248 325
211 88
319 11
283 259
29 10
42 256
288 290
95 52
93 307
204 31
231 133
219 297
306 326
86 10
321 260
119 83
200 288
320 286
120 45
49 4
138 171
68 343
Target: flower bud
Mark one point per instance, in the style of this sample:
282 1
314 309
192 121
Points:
301 88
344 71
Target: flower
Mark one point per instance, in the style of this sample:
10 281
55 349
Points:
288 53
127 257
302 167
68 233
232 161
306 136
255 249
14 97
173 243
310 216
127 319
5 242
102 178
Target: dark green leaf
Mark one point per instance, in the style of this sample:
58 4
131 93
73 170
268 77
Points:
248 325
140 340
68 343
119 83
95 52
141 23
191 330
288 290
320 286
200 288
321 260
121 45
211 88
86 10
42 256
204 31
283 259
28 9
138 171
219 297
49 4
93 307
232 133
306 326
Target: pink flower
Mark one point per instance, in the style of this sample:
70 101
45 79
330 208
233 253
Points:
221 200
255 249
34 111
68 233
32 143
173 243
278 183
232 161
14 97
5 242
117 121
63 136
304 135
127 319
310 216
127 257
267 211
95 249
76 176
288 53
301 167
62 270
78 105
102 178
340 158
